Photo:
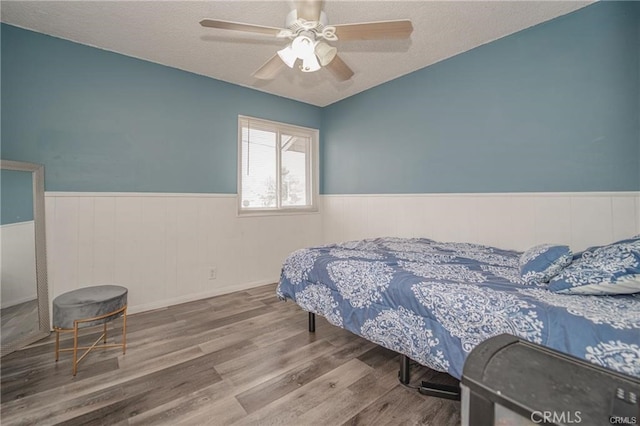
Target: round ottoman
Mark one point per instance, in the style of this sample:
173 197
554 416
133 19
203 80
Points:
86 307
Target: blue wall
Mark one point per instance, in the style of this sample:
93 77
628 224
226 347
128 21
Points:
101 121
16 196
552 108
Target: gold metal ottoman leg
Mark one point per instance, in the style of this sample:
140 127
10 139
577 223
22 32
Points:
57 345
75 347
124 331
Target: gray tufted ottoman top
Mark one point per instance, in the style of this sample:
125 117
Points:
88 302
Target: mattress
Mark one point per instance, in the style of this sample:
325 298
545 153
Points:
434 302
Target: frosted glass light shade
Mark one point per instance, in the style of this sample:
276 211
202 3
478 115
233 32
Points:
310 64
288 56
302 46
325 53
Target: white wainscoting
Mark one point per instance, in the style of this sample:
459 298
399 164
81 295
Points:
161 246
513 220
18 268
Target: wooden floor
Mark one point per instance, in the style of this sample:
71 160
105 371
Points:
18 321
242 358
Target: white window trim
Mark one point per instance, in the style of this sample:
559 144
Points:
314 161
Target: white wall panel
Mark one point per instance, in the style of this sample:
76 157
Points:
62 250
86 229
412 218
516 221
104 238
625 222
591 221
490 231
553 219
520 221
638 214
161 246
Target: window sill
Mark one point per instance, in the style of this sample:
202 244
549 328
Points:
281 212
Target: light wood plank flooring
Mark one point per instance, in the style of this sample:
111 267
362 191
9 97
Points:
18 321
241 358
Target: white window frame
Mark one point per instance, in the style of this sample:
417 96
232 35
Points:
312 168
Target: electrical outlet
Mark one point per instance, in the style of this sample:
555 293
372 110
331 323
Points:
213 273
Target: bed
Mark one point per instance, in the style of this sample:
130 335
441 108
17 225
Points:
434 302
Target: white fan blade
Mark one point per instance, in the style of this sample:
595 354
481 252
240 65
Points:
374 30
239 26
309 10
339 69
270 69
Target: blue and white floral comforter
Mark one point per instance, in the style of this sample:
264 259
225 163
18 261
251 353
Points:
434 302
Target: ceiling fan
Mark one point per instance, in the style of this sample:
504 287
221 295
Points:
307 28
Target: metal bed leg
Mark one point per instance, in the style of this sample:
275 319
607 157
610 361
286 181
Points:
427 388
404 373
440 391
312 322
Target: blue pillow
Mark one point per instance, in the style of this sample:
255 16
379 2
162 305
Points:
541 263
612 269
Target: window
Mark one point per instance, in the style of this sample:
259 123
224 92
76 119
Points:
277 167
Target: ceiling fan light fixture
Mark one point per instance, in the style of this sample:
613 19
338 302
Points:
310 64
288 56
307 27
325 53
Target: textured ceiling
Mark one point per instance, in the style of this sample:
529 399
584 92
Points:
168 33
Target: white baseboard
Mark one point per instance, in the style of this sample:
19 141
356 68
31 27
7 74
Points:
192 297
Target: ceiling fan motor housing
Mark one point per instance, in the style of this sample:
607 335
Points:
292 20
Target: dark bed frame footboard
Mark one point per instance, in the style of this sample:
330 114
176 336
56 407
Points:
404 374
